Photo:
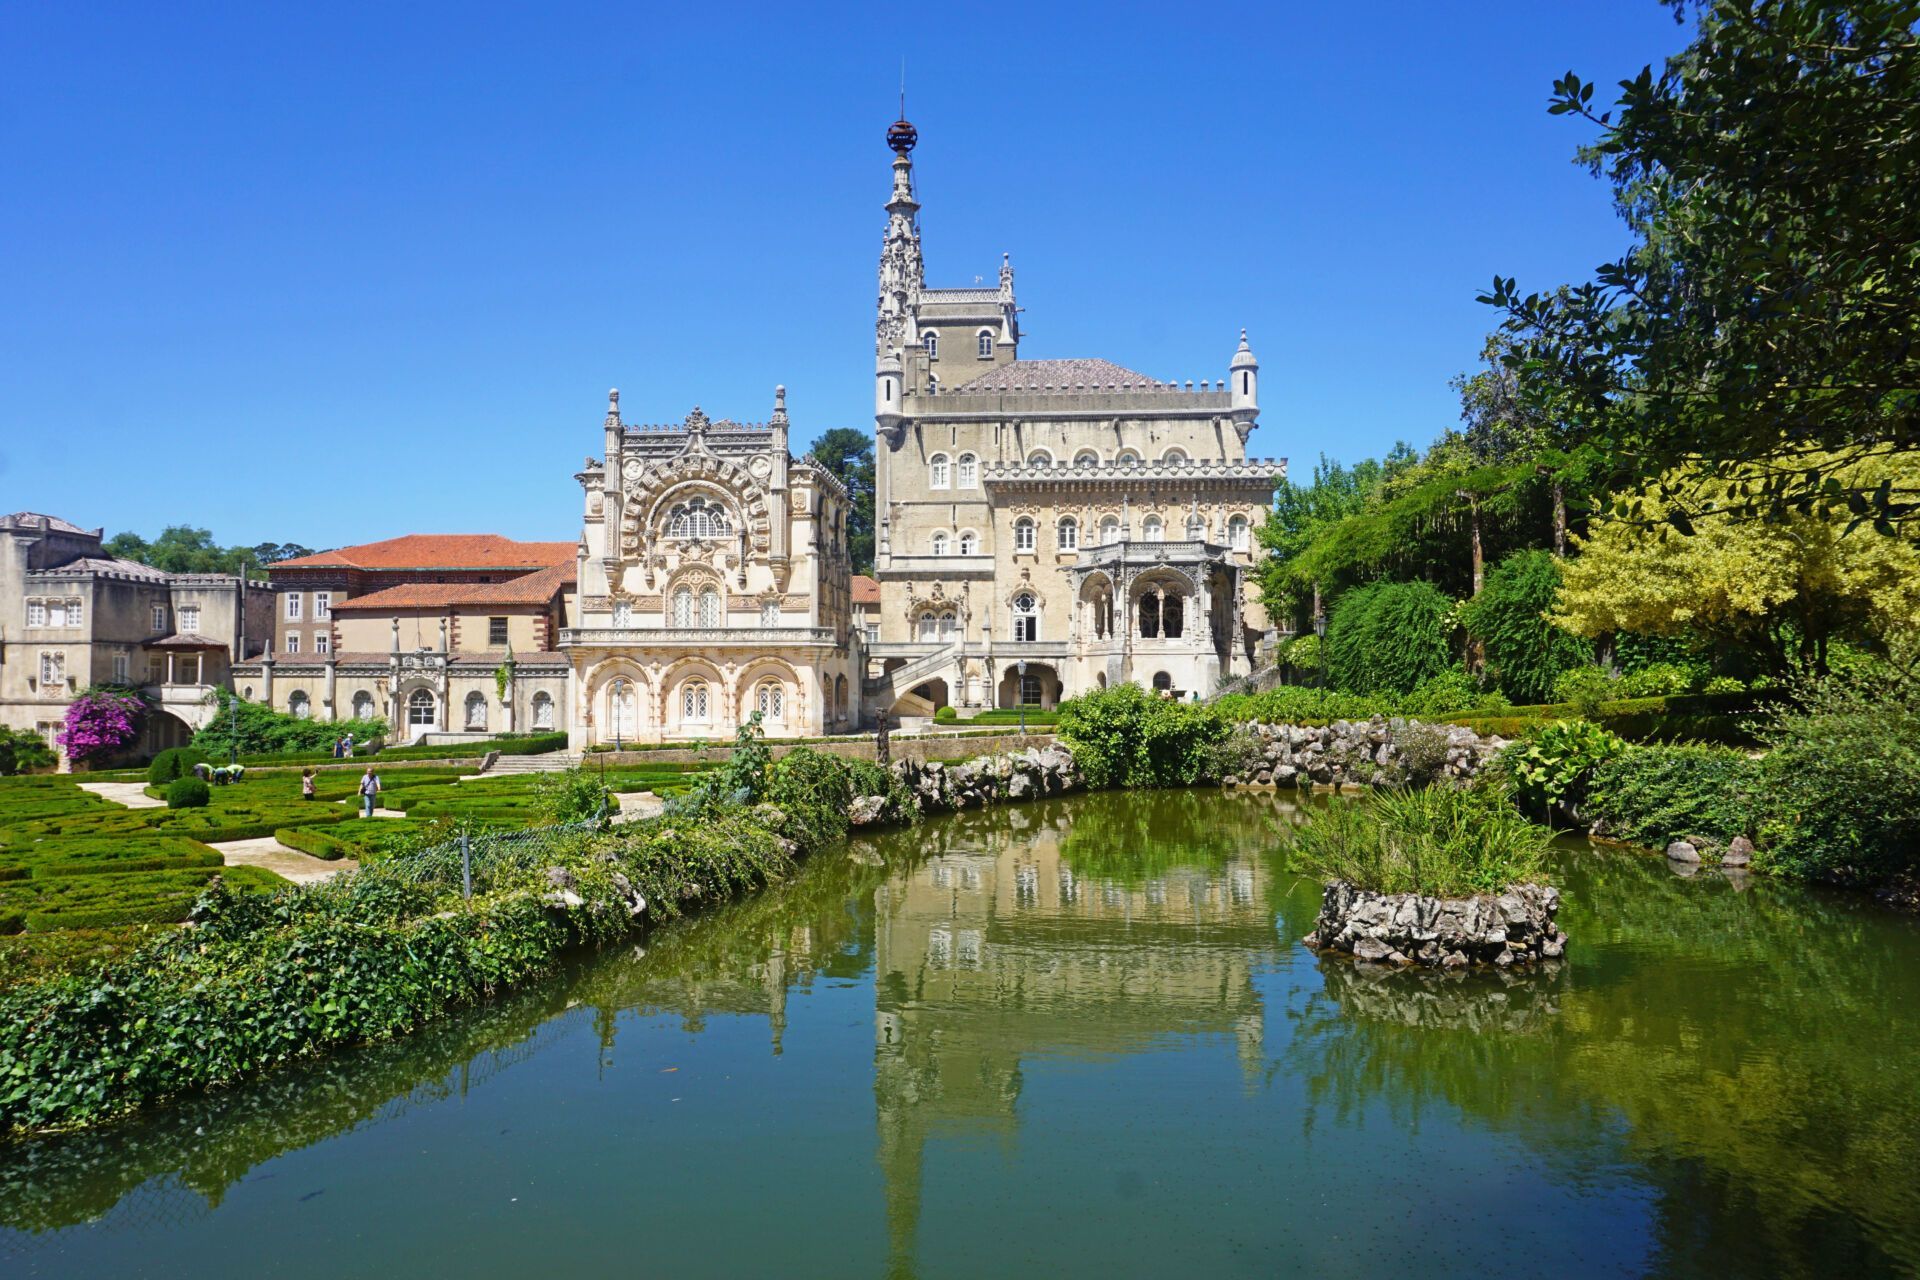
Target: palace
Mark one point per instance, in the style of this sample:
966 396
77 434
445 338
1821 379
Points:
1043 527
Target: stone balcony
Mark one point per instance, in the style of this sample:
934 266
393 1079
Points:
728 637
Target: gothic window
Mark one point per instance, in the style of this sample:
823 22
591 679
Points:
1069 534
1196 528
697 518
1237 533
1023 534
949 625
298 706
929 626
476 710
931 341
1026 617
683 608
770 700
709 608
622 613
363 705
1086 458
969 476
693 701
542 710
969 543
1174 455
983 344
420 712
1171 617
769 613
939 544
1152 529
937 469
53 669
1109 531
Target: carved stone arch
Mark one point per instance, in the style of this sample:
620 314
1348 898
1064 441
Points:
1160 576
754 674
1096 582
735 484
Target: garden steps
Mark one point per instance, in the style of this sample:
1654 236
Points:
269 854
546 762
131 794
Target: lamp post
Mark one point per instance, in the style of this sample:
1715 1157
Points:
1020 694
619 692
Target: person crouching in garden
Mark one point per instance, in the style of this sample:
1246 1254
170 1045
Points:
369 788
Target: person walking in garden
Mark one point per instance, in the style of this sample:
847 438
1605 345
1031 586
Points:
369 788
306 784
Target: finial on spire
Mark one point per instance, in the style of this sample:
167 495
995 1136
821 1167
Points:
613 407
779 407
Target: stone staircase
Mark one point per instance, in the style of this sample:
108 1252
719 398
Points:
547 762
882 692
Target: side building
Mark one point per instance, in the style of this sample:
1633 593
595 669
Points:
1047 527
75 616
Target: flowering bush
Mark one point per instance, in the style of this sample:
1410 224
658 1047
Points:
100 722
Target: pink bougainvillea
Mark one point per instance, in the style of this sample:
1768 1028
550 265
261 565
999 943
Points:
99 723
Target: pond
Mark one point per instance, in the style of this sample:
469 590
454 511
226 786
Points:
1078 1037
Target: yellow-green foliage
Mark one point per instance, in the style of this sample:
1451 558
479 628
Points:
1760 584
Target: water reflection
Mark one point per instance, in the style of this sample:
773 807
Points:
1719 1081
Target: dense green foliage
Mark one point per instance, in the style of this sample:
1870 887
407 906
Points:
188 793
260 730
1653 795
1389 637
174 762
1524 653
1550 768
1125 736
47 903
182 548
1439 841
848 455
22 750
571 795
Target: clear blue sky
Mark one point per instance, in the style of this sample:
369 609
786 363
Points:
329 273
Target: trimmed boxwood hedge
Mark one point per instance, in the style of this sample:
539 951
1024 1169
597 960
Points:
94 902
97 855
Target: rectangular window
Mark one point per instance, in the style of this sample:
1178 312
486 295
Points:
322 605
186 669
156 668
322 642
56 613
496 633
1029 691
36 613
293 642
159 619
73 613
770 613
190 617
53 668
120 664
293 607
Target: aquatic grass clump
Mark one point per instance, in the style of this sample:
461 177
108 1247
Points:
1441 842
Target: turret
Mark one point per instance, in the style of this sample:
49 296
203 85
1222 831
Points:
1244 382
888 388
777 474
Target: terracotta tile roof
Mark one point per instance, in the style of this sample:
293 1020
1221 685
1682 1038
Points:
187 640
531 588
865 590
1032 375
439 551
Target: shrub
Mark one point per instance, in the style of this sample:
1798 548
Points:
1125 736
1422 753
571 795
1524 652
260 730
1585 689
1438 841
22 750
1453 690
945 715
1550 769
1655 680
1842 781
187 793
174 762
1305 654
1725 684
1241 754
1651 795
1296 704
1389 637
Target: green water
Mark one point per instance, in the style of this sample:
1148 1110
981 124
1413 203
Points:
1074 1038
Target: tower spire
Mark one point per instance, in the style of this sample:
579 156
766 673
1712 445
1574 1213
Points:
902 273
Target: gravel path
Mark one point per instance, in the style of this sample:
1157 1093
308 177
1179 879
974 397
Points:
131 794
267 852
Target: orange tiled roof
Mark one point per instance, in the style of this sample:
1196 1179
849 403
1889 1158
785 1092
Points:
530 588
865 590
439 551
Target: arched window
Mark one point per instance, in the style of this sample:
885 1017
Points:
939 544
420 710
709 608
1109 531
298 705
931 341
840 695
694 701
1068 534
683 608
1162 681
1040 458
1023 534
983 344
1196 528
1128 458
949 625
1026 617
476 710
363 705
622 613
1174 455
969 476
929 626
1152 529
543 710
770 700
969 543
1086 458
937 471
1237 533
697 518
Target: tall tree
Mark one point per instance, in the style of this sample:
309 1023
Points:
1765 325
848 454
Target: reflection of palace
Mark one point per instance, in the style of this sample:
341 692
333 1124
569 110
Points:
995 950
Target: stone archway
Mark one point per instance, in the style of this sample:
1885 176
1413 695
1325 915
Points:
1037 690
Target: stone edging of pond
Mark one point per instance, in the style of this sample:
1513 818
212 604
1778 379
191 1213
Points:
1375 752
1515 926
